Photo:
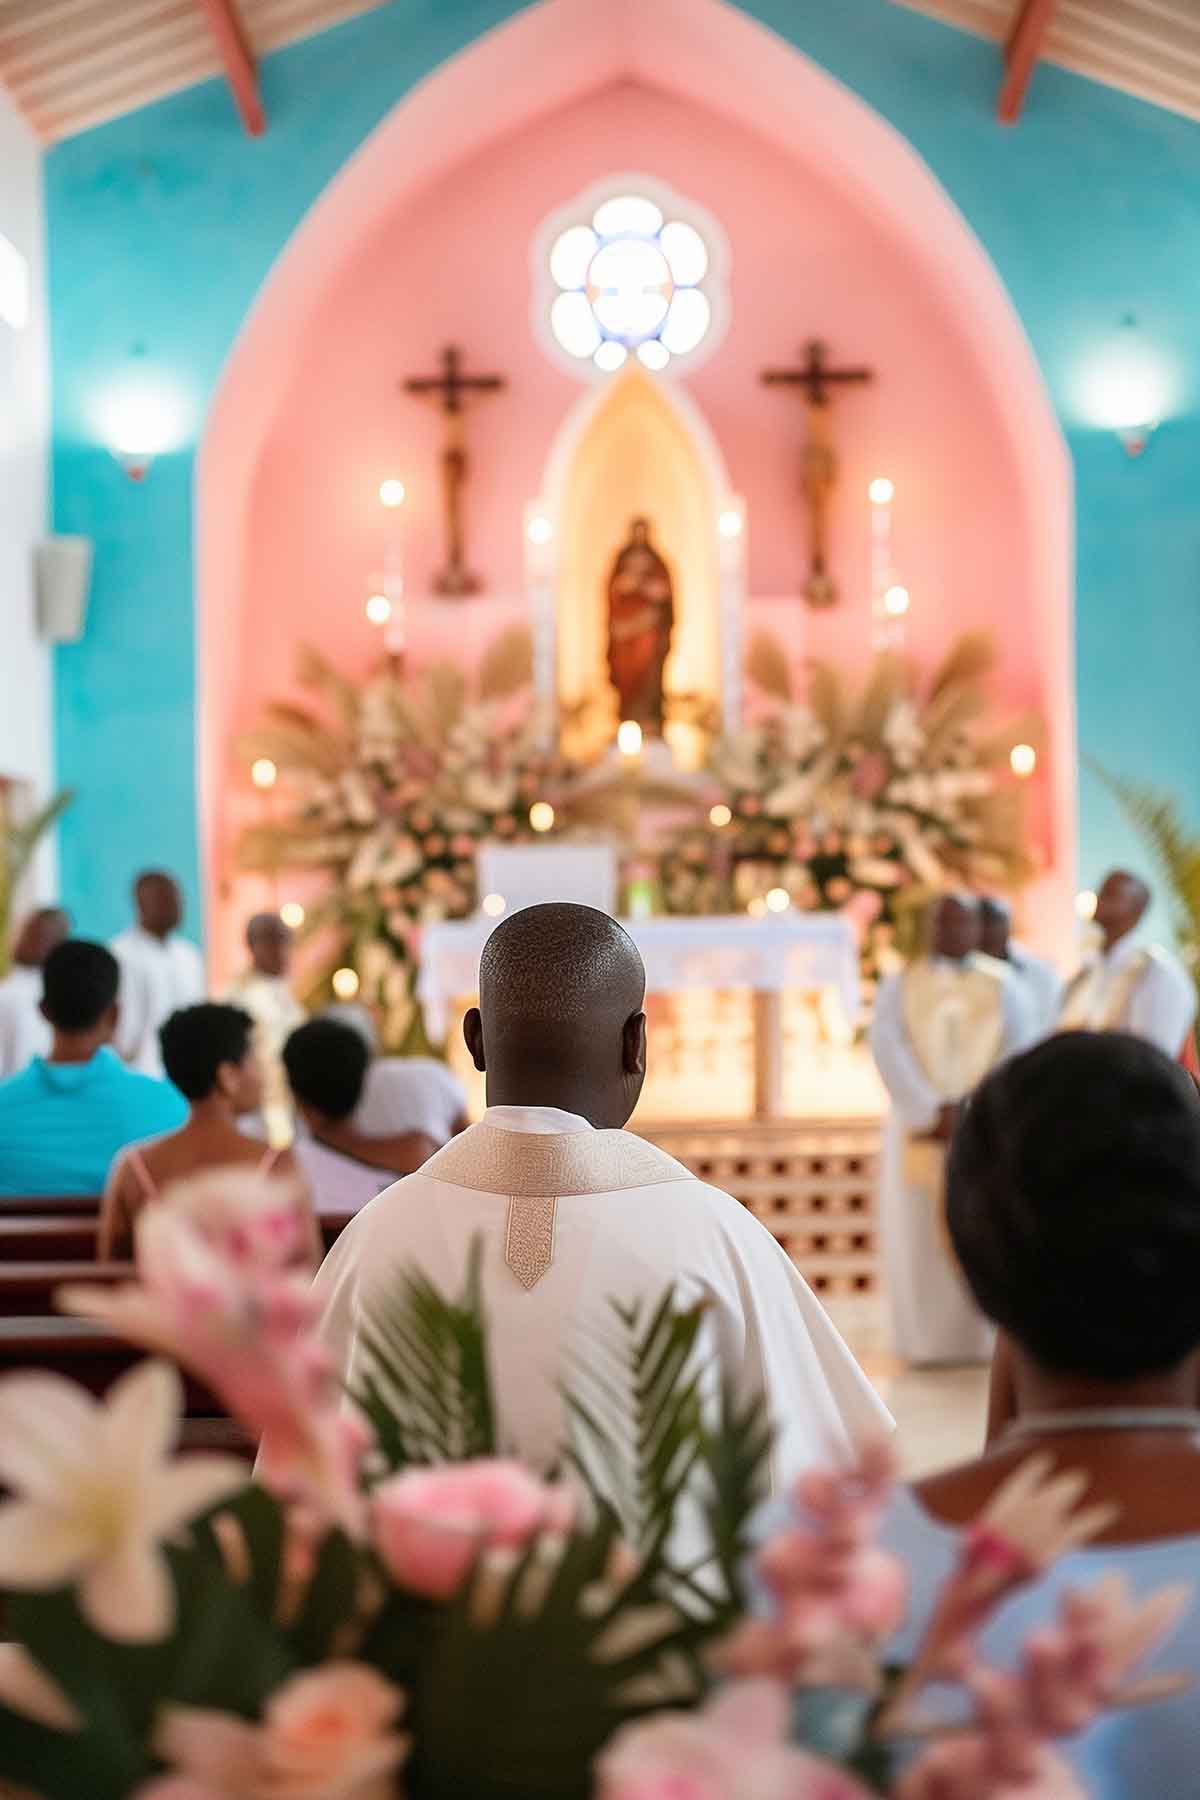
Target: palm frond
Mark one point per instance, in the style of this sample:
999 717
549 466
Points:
829 699
967 661
507 664
19 839
767 666
446 689
427 1390
948 716
886 684
316 672
296 740
735 1453
1156 816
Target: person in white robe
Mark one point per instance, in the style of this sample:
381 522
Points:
160 971
574 1213
1040 980
264 991
24 1033
1129 984
938 1028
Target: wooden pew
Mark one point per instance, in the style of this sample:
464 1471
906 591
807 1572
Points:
50 1206
25 1237
86 1353
27 1289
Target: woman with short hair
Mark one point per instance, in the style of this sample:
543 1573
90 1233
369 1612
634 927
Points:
1073 1204
209 1054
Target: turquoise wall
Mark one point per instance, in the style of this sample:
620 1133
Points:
164 224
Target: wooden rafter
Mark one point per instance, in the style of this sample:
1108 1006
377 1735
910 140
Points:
238 60
1021 53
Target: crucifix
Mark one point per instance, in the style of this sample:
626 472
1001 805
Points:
453 391
817 381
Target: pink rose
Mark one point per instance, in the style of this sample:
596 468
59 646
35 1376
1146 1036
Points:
734 1749
430 1525
327 1734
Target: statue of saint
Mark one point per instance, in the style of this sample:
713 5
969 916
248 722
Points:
641 617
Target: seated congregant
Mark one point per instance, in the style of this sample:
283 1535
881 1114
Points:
1074 1207
24 1032
1129 984
161 971
65 1117
209 1054
938 1027
1038 978
573 1213
392 1112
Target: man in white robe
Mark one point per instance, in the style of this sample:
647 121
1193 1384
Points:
1039 979
573 1213
264 991
1130 985
938 1027
160 971
24 1033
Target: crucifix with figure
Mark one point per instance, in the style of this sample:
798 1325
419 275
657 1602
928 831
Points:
817 381
453 391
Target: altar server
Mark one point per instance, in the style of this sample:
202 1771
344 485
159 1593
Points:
160 971
1039 978
24 1032
939 1027
574 1213
1129 984
264 990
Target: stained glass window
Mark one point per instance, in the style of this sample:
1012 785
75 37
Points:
632 281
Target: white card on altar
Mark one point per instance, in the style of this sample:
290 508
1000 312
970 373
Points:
531 874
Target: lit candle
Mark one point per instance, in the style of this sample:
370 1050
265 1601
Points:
629 739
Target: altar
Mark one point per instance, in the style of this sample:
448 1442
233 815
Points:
811 954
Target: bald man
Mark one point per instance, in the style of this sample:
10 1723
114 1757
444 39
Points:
24 1033
1129 984
574 1213
938 1028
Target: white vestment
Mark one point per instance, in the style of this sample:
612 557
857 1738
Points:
1135 987
571 1219
410 1093
1042 985
276 1013
24 1033
157 977
937 1030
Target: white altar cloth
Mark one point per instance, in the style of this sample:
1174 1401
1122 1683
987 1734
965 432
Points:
787 950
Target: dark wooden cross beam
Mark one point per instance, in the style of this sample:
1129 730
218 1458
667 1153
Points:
453 391
1021 52
818 383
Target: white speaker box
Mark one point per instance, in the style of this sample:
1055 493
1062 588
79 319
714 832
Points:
62 580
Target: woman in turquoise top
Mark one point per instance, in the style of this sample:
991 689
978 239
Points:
1073 1202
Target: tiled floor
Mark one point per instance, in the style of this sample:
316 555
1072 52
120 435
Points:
939 1413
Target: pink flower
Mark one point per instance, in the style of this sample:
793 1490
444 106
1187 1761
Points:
836 1595
327 1734
245 1329
255 1220
430 1525
1078 1668
870 775
962 1768
734 1749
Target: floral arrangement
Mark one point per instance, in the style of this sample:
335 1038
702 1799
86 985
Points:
394 783
395 1609
871 799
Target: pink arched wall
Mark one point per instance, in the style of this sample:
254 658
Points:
836 229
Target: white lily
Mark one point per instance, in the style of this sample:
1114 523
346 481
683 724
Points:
98 1495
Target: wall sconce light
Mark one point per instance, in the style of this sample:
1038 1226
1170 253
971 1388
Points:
1128 388
140 417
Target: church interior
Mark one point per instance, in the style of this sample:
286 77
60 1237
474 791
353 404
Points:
727 463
